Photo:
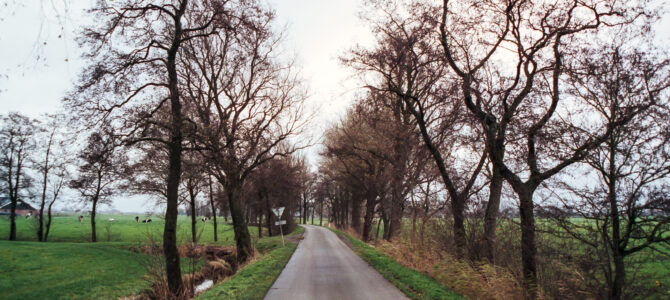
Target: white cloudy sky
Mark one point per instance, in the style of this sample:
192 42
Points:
39 61
39 58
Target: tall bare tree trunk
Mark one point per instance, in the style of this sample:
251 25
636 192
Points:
413 235
321 214
12 217
304 208
457 208
395 210
356 203
370 204
170 250
268 214
48 225
385 220
94 236
191 194
616 285
528 246
40 217
242 236
45 177
211 204
14 195
491 215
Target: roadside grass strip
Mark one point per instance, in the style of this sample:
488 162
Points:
414 284
255 279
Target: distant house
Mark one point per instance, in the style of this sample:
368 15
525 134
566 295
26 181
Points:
22 208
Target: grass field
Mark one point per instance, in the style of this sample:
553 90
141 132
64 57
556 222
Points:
31 270
122 229
70 267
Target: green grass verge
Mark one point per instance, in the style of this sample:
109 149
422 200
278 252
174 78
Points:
254 280
414 284
31 270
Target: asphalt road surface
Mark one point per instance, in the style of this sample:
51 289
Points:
323 267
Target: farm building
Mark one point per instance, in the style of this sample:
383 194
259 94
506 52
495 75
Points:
22 208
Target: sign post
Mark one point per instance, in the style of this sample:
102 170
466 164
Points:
278 212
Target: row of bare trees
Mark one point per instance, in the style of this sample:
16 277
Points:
204 86
561 106
36 167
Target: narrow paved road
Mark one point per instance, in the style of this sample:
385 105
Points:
323 267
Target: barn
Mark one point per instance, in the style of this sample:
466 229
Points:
22 208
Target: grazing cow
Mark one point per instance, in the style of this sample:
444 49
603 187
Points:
149 221
204 219
137 219
146 221
111 219
28 215
81 218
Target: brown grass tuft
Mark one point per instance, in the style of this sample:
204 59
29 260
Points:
472 280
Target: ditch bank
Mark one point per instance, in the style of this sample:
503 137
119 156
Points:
208 265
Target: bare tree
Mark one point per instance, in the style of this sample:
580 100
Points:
246 103
100 174
16 145
134 48
212 195
276 183
519 105
405 65
52 168
62 175
306 181
193 181
628 210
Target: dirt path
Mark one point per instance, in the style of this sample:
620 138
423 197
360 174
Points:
323 267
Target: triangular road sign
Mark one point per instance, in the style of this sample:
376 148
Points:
278 211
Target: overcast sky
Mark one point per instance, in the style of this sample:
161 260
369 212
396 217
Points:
39 58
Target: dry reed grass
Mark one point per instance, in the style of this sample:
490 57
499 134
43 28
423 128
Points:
472 280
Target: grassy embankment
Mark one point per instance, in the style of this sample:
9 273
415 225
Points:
414 284
31 270
255 279
651 273
79 270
